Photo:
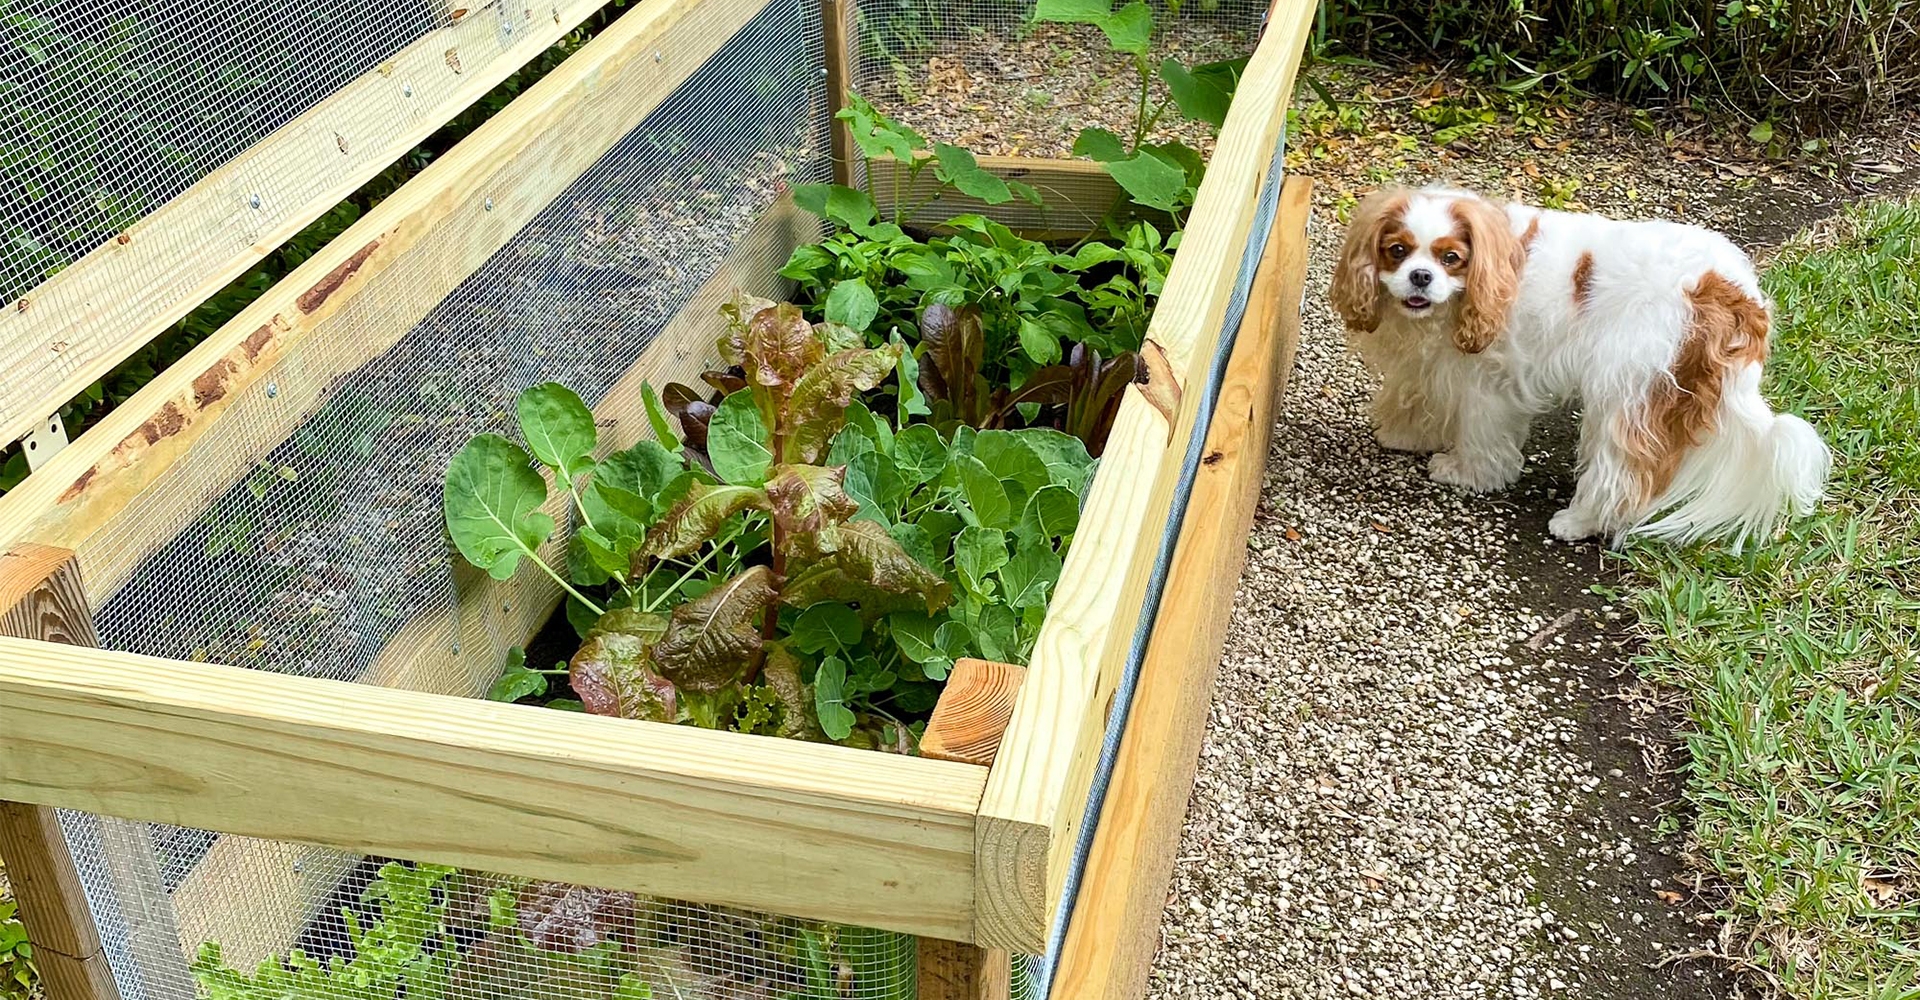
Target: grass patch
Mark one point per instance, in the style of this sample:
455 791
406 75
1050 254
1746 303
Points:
1802 659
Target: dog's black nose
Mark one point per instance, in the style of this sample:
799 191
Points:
1421 278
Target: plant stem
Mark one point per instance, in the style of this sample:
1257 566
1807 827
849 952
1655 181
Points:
580 505
1140 115
684 577
564 585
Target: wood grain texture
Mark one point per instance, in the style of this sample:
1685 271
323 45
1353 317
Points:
840 40
135 285
1036 794
950 970
821 832
357 296
973 711
41 597
1115 930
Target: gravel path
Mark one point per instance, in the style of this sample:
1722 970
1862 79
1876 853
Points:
1429 770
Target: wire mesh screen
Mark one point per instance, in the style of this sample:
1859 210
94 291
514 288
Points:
984 74
116 108
326 557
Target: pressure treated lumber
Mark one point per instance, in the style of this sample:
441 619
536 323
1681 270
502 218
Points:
973 711
1036 794
840 41
1115 930
74 327
1078 194
41 598
966 726
358 295
821 832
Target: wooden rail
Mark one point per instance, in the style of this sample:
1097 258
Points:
1115 930
1038 790
71 329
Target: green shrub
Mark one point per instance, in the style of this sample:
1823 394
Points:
1817 64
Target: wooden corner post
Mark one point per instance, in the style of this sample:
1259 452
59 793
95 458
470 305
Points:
966 726
41 598
840 40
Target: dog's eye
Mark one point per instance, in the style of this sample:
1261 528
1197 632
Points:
1397 251
1451 259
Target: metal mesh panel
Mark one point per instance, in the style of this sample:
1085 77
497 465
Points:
332 548
116 108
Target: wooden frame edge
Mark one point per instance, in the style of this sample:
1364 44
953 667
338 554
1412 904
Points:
1115 931
814 831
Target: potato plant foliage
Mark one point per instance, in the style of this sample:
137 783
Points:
783 559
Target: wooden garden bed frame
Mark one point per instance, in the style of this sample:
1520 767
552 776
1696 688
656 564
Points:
974 854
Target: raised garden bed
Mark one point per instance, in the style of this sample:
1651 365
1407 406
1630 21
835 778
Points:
301 445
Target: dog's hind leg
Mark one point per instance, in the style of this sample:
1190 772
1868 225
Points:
1607 498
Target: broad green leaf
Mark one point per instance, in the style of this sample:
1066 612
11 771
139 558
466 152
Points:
852 304
592 558
825 627
781 675
985 497
515 682
960 169
1040 343
1008 456
876 486
558 428
918 454
1150 181
1130 29
1068 463
1029 576
846 444
876 430
997 631
953 639
1026 193
1073 11
829 699
913 633
918 543
657 417
738 441
710 640
1200 97
978 553
1099 144
698 516
622 499
492 497
1052 512
840 205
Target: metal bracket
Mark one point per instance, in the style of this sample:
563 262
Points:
44 442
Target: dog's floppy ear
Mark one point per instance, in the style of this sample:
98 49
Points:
1356 281
1494 262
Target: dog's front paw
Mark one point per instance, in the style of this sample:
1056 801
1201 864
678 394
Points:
1406 438
1570 525
1480 477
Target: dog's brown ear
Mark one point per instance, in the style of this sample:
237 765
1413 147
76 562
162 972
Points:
1495 259
1356 280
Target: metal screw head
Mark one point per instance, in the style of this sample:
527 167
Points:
658 56
273 390
456 649
406 90
489 204
253 200
823 72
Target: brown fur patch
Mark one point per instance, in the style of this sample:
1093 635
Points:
1453 244
1583 280
1728 331
1495 260
1356 289
211 386
1532 234
313 298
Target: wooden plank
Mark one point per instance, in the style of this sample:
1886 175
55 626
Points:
1115 930
1036 795
74 327
966 726
41 598
358 295
1077 195
973 712
840 41
819 832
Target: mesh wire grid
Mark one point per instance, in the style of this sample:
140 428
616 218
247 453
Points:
114 108
333 544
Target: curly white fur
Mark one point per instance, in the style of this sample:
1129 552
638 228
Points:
1639 323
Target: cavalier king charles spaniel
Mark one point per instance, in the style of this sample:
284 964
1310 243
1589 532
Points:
1480 317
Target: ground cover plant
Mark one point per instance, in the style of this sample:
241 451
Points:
1800 659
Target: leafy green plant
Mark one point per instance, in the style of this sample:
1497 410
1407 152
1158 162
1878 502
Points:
17 973
1162 176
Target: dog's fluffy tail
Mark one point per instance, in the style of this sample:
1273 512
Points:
1757 467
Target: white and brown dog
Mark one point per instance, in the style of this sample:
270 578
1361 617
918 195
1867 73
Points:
1480 317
